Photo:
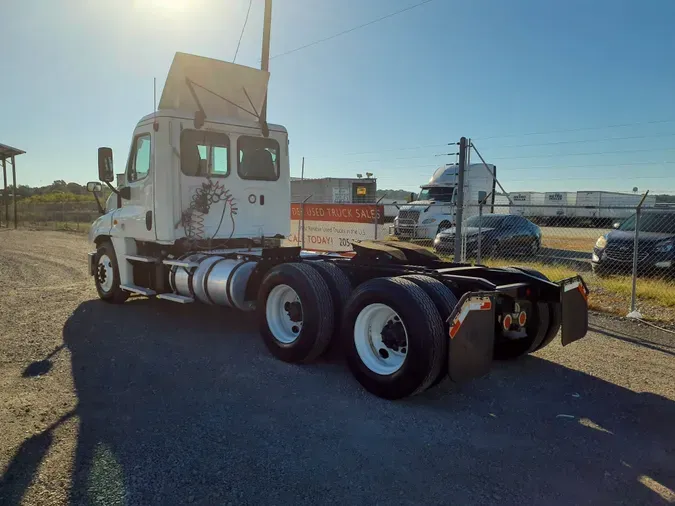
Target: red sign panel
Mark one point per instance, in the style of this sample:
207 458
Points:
346 213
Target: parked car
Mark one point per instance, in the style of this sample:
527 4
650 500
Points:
505 234
613 252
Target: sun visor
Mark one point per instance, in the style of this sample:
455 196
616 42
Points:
222 88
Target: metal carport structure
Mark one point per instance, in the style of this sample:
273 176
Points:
9 153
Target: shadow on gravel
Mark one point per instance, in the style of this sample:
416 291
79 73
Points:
183 405
641 341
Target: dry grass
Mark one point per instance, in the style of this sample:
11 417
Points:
584 244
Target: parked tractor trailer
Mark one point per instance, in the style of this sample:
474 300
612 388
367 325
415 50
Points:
200 217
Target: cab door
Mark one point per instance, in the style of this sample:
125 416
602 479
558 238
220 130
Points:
135 219
262 168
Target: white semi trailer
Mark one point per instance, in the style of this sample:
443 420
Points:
600 208
527 204
200 216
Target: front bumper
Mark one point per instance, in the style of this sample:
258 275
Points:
472 327
413 231
648 262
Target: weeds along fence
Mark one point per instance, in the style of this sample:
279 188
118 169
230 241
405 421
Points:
73 216
626 254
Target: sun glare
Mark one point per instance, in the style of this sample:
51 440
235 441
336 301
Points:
163 5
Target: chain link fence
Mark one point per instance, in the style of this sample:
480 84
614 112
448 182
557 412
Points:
627 271
70 216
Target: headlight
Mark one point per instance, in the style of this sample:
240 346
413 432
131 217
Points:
601 242
428 220
664 247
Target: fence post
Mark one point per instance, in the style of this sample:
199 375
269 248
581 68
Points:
459 203
301 223
634 313
480 230
377 221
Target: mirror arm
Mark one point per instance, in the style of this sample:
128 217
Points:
112 188
101 210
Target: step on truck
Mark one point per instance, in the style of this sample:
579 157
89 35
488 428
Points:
201 215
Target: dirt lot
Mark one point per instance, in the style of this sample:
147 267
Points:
156 403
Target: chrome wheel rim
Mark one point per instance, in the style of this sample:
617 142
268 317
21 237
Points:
284 314
381 339
104 273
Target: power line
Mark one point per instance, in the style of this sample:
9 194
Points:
581 154
386 160
242 30
535 144
604 139
352 29
392 150
575 129
589 166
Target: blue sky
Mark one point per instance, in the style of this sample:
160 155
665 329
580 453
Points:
534 83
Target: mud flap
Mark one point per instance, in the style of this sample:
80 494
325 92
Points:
472 336
574 306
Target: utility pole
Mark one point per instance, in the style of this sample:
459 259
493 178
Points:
265 59
459 203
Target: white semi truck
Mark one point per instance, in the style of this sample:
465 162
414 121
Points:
205 203
435 206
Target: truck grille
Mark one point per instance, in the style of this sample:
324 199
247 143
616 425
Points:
408 217
624 253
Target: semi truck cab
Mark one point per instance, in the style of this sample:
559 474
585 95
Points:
434 208
209 179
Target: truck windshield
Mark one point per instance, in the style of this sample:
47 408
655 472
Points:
439 193
651 222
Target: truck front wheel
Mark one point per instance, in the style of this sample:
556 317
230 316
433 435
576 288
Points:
394 337
107 275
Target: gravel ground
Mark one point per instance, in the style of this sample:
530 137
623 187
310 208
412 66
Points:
157 403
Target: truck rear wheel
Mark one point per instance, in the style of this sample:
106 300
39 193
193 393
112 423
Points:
296 312
535 331
542 325
394 337
445 301
107 275
340 289
555 312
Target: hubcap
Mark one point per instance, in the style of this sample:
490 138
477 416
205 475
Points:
284 314
381 339
104 273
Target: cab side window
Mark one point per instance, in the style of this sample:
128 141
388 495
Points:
139 161
258 158
204 154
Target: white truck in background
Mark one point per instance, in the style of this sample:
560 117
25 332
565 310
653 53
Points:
434 208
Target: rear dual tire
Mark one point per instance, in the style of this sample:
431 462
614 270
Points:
393 336
393 331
